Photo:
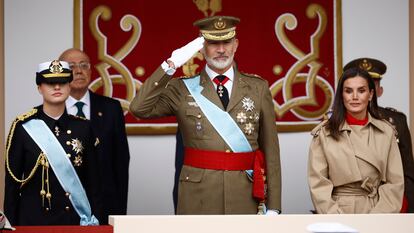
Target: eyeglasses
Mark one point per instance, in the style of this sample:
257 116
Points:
82 66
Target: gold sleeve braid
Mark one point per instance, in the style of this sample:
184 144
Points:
9 142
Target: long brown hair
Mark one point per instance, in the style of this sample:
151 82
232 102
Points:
339 111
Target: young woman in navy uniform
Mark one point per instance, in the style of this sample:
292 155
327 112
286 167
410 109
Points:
36 192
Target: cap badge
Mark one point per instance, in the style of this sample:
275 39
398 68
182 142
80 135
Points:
365 65
220 24
55 67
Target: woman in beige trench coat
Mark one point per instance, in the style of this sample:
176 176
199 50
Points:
354 163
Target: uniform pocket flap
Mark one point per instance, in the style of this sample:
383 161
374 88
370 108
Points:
191 174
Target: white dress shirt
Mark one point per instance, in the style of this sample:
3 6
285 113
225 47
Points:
229 74
72 109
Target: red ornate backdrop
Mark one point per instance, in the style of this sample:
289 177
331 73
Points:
295 45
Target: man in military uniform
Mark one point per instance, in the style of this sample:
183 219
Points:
377 69
226 118
50 159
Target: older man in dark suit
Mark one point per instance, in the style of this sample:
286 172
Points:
52 177
107 120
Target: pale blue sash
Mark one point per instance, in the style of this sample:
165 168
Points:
63 169
222 122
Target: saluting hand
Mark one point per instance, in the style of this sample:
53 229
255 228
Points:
183 54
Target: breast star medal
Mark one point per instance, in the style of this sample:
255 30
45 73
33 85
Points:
77 146
249 128
241 117
248 104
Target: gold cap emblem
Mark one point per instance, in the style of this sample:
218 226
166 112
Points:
219 24
55 67
365 65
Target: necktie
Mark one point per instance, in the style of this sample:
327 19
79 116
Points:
79 106
222 92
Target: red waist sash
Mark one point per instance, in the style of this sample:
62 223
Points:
230 161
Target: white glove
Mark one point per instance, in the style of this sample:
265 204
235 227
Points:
272 212
183 54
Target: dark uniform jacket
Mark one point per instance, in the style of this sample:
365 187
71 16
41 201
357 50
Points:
205 191
23 204
399 120
107 120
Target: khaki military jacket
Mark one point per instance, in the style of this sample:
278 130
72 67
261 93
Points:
356 174
204 191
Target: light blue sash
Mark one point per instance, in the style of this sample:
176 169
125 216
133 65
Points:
222 122
63 169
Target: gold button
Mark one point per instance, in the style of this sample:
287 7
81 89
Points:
67 208
67 194
156 83
68 143
199 116
187 178
228 151
68 155
69 131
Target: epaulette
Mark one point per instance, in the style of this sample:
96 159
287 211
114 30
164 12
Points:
315 131
392 109
185 77
26 115
252 75
77 117
395 111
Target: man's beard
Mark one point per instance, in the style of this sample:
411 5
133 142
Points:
219 64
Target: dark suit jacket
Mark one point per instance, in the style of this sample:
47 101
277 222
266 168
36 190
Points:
399 120
108 123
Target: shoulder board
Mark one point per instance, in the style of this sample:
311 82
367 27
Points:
77 117
184 77
318 128
27 115
187 77
392 109
252 75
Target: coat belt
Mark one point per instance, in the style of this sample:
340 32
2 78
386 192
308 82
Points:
230 161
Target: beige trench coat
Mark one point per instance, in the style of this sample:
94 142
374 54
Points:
353 174
204 191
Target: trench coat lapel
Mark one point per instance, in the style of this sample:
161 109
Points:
365 152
